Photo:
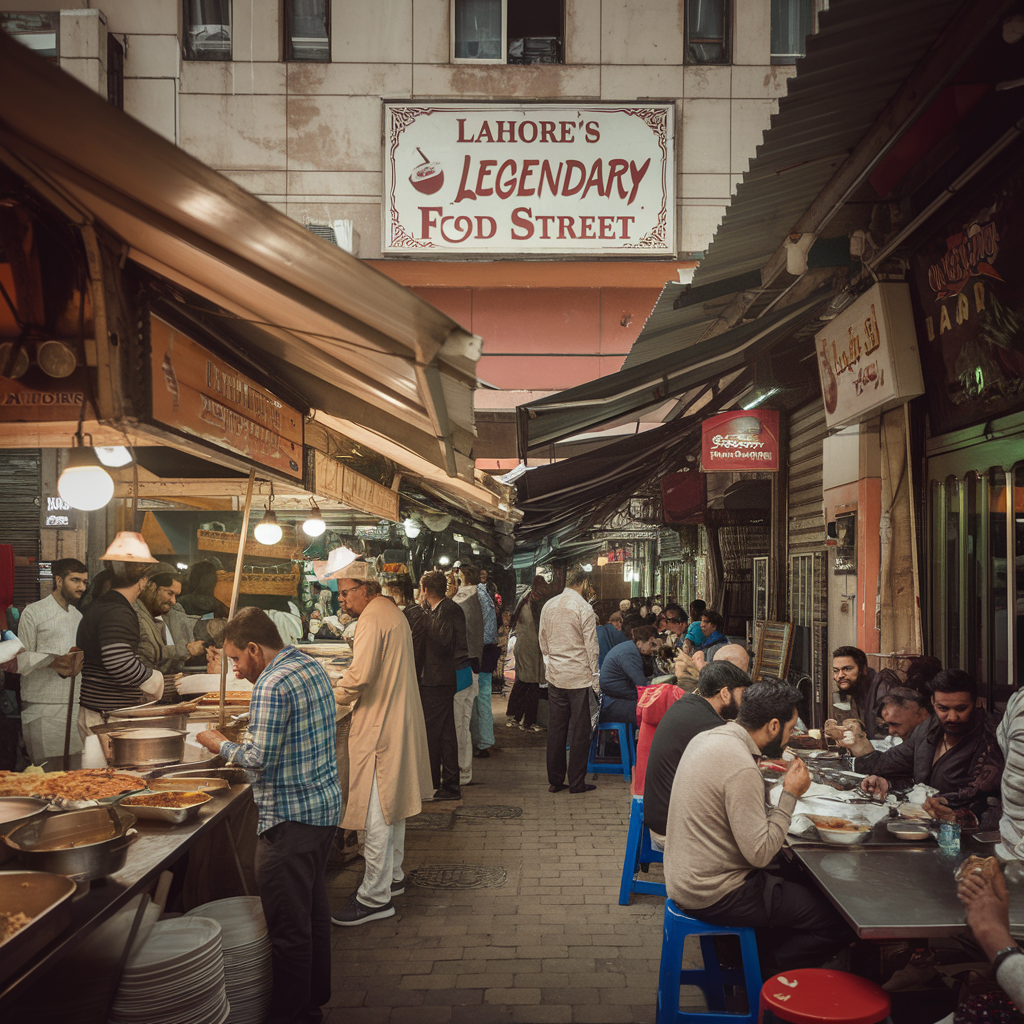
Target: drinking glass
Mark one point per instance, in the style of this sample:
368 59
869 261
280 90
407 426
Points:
949 838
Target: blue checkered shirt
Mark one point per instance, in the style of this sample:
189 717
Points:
291 743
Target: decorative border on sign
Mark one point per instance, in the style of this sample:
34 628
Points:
402 116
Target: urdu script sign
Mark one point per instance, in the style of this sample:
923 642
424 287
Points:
493 178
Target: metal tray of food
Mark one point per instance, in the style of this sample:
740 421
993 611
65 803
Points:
187 784
186 767
42 898
235 775
58 788
173 815
154 710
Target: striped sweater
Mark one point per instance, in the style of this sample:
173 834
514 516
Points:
112 674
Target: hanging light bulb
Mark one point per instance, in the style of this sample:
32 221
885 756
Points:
268 531
85 484
314 526
412 529
443 560
115 457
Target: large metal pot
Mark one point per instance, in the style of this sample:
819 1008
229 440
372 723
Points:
136 746
177 723
15 811
80 844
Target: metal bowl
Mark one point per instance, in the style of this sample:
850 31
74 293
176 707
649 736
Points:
842 837
15 811
908 830
80 844
144 746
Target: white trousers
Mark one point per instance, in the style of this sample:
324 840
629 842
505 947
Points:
43 726
384 851
464 701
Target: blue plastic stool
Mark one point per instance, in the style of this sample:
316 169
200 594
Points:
639 851
627 752
712 978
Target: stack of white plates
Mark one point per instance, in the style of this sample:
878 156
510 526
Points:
247 967
175 977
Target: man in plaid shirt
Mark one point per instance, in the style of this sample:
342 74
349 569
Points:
291 745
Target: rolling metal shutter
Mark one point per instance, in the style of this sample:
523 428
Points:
20 473
806 515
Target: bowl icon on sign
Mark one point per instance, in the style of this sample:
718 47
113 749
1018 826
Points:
428 176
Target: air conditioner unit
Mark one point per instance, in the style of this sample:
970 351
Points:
339 233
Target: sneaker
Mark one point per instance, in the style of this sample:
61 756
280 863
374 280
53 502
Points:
512 724
398 888
358 913
482 753
447 794
535 728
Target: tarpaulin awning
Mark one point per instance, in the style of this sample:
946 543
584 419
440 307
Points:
631 391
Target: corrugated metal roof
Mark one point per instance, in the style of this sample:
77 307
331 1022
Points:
865 50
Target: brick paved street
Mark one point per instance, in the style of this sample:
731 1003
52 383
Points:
550 943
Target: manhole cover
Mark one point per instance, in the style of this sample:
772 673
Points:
458 876
489 811
434 822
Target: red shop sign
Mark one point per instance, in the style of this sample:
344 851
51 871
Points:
741 440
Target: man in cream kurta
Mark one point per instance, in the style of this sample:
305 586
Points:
389 770
48 630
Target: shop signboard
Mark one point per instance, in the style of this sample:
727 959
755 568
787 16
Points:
37 398
335 480
868 358
197 393
56 514
740 441
969 304
494 178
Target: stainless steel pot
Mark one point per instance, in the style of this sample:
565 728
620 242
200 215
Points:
80 844
135 746
15 811
177 723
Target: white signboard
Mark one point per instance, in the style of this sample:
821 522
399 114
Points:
493 178
868 359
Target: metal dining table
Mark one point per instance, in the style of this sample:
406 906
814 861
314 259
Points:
895 890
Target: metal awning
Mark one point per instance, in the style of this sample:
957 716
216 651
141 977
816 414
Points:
395 373
693 375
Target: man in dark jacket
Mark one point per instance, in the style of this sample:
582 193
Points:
610 635
621 674
863 687
956 752
444 641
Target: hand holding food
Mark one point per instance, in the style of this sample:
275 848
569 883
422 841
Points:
195 647
850 735
875 786
938 807
797 779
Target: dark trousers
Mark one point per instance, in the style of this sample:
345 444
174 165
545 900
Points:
568 721
442 742
290 862
523 701
795 924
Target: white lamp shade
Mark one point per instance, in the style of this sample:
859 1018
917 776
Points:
85 484
314 526
268 531
128 547
339 559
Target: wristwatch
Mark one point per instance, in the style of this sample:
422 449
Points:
1004 954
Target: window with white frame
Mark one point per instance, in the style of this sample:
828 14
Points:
206 33
792 23
707 32
308 30
507 31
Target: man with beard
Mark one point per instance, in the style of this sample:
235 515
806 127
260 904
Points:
863 687
718 696
158 648
721 838
47 630
957 752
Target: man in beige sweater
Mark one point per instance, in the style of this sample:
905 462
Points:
722 839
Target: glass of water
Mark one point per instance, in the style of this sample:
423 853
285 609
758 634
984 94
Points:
949 838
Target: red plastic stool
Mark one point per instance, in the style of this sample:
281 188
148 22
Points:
811 996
